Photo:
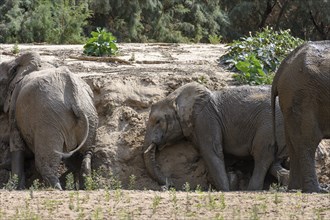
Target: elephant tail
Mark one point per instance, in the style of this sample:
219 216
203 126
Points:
274 94
77 108
86 125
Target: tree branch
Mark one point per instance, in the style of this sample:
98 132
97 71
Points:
283 8
267 12
101 59
318 28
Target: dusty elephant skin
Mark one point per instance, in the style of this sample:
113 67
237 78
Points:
302 84
51 111
235 121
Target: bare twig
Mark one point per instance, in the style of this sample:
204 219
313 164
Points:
101 59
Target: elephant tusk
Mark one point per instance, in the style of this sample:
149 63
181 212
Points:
150 148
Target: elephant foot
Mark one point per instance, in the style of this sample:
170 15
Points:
54 182
283 177
86 168
324 188
169 184
58 186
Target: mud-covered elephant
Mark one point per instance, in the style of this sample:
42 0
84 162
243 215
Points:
51 112
302 84
235 121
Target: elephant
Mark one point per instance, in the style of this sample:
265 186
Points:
302 85
51 113
234 121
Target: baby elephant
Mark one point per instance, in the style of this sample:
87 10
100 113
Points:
237 121
51 111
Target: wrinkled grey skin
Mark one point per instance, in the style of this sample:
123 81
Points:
302 84
236 121
51 111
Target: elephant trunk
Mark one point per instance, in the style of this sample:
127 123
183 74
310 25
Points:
152 166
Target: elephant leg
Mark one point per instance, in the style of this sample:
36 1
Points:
302 139
309 177
216 168
48 169
47 160
17 156
258 176
263 155
209 141
86 169
295 172
17 167
261 166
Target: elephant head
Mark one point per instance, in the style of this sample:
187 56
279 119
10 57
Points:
170 120
11 72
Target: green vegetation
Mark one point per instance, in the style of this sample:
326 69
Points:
15 49
252 72
215 39
127 204
257 57
12 183
56 22
102 43
188 21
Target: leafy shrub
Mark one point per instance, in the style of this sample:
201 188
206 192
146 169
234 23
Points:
214 39
257 57
252 72
101 43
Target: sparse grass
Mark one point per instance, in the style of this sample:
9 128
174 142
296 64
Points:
174 201
15 49
12 183
127 204
115 202
155 203
277 198
201 80
254 213
97 214
132 181
69 182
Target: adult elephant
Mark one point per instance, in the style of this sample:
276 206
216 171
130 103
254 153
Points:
302 84
236 121
51 111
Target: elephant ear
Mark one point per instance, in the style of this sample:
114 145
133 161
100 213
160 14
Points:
17 69
190 98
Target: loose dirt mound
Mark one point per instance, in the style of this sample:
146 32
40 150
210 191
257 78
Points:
123 96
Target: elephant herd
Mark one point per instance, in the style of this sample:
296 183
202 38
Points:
51 114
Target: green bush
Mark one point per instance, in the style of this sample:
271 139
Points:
256 58
252 72
102 43
215 39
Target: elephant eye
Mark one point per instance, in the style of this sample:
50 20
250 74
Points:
158 122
